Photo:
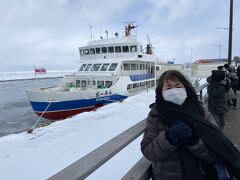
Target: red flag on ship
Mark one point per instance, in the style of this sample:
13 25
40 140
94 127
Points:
40 71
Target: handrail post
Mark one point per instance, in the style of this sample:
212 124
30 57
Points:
200 95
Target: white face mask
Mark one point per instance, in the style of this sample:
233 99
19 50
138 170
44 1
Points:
175 95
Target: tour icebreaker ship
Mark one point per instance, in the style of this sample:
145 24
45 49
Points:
111 70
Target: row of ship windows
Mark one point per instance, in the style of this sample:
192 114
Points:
141 84
110 49
96 67
113 66
107 84
100 84
84 84
138 66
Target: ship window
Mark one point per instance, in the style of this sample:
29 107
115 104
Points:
84 83
133 66
129 86
100 84
92 51
108 83
111 49
138 66
88 67
117 49
148 67
95 67
133 48
104 67
125 49
141 48
81 52
142 83
148 84
82 67
113 66
104 49
157 68
93 83
152 83
86 51
77 83
98 51
145 66
126 67
135 85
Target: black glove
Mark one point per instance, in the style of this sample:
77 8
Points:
181 134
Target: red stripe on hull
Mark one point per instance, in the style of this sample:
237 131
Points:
60 115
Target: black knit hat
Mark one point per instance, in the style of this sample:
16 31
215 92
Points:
220 67
218 75
226 66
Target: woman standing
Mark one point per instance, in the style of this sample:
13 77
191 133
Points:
181 138
217 96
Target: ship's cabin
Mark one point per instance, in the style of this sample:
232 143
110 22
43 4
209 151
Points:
130 67
92 75
118 49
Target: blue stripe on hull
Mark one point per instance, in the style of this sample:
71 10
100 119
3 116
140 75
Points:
75 104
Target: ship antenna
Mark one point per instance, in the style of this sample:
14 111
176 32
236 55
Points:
106 33
100 28
90 29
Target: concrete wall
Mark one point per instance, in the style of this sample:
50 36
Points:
204 70
197 70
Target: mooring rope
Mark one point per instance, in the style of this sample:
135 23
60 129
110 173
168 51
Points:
30 130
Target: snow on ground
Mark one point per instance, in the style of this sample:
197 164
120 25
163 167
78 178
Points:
50 149
30 74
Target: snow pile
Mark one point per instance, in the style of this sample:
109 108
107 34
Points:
50 149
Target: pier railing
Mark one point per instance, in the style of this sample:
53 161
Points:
85 166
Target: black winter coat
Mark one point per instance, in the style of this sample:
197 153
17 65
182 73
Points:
217 97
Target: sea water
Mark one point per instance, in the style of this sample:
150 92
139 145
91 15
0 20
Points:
16 114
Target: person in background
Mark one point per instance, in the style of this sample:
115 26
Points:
226 68
233 84
238 74
181 138
217 96
238 71
231 95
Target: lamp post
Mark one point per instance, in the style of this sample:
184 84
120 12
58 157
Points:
191 55
230 33
230 30
219 50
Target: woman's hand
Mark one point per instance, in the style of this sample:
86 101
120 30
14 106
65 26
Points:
181 134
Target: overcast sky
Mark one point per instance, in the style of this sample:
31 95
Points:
48 32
